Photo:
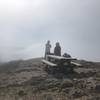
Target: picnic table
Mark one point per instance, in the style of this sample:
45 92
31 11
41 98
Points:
60 60
53 60
65 64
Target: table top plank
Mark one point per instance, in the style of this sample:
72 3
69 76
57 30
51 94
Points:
60 57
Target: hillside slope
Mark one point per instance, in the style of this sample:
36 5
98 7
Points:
27 80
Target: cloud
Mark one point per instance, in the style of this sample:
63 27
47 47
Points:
26 25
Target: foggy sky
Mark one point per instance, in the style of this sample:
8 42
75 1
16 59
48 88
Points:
26 25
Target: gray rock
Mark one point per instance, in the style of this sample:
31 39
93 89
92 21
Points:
97 88
66 83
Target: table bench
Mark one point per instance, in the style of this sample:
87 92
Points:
77 64
48 62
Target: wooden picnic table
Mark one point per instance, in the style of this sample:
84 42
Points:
59 62
60 57
54 60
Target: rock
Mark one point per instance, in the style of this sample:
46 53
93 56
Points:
97 88
21 93
49 84
78 93
66 90
66 83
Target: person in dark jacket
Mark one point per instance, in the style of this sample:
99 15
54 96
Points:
57 49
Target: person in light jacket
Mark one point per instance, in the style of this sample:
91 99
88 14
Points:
47 48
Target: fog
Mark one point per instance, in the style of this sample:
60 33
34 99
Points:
26 25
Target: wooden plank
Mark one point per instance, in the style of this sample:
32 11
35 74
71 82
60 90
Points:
48 62
77 64
60 57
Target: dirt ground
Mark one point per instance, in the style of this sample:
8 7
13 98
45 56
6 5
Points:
28 80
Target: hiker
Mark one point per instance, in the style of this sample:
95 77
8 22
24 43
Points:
47 48
57 49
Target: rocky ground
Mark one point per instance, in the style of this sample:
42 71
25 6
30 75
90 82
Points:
28 80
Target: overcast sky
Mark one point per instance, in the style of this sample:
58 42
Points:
26 25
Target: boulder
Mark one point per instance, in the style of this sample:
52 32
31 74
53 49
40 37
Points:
66 83
97 88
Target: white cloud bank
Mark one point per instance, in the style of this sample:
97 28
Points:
25 25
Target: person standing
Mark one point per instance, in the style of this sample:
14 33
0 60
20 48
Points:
57 49
47 48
